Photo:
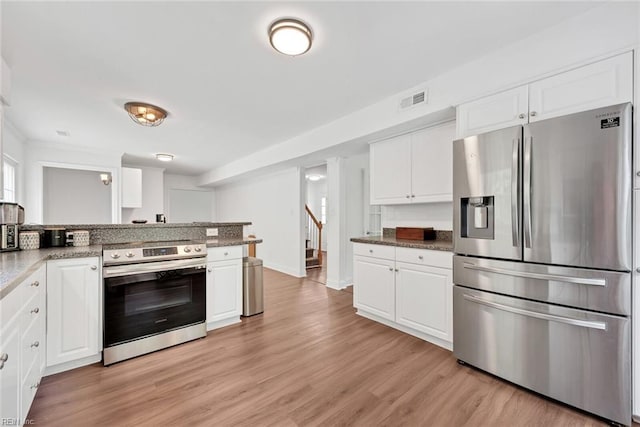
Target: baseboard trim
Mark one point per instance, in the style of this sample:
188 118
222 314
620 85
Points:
339 285
285 270
222 323
67 366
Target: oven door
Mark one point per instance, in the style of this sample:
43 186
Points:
146 299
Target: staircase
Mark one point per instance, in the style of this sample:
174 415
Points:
313 243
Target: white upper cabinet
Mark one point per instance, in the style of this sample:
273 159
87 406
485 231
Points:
504 109
413 168
131 188
391 171
603 83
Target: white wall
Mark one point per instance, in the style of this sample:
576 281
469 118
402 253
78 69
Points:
152 197
75 197
13 145
436 215
274 204
599 32
184 189
60 155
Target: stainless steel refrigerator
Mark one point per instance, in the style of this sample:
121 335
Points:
542 271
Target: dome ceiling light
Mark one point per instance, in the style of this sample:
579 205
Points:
290 36
145 114
164 157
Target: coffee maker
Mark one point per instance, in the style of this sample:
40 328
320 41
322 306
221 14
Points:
11 216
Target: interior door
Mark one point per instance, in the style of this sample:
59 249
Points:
486 194
577 189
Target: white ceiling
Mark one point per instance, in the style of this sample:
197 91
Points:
229 94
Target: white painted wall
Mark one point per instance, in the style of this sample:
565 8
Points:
152 197
184 190
75 197
274 204
436 215
600 32
38 153
14 146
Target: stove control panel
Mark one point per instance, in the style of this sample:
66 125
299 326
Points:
153 251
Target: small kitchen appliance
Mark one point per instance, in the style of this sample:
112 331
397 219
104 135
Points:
54 237
11 216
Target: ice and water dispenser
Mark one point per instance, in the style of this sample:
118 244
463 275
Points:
477 217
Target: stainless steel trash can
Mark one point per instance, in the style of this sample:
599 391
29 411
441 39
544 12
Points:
252 288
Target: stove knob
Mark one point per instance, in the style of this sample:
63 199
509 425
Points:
187 250
197 249
115 255
130 255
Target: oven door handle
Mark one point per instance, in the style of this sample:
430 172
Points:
152 267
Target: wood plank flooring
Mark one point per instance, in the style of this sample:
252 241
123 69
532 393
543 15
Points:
309 360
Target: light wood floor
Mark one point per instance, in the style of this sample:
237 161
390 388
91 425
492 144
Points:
308 360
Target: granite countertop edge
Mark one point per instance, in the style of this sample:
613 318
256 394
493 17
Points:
12 275
216 243
437 245
126 226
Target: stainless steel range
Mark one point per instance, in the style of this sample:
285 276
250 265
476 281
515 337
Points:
154 296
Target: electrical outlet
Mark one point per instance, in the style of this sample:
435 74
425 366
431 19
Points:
212 232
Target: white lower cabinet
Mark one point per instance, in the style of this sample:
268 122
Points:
74 301
224 286
22 347
409 289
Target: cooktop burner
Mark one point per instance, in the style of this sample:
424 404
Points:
135 252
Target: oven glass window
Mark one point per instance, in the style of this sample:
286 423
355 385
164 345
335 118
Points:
148 297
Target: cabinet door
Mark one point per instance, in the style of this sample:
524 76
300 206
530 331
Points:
131 188
224 290
432 164
374 286
424 299
604 83
74 310
10 372
391 171
502 110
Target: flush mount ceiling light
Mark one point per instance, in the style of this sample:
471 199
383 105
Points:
105 178
314 177
290 36
145 114
164 157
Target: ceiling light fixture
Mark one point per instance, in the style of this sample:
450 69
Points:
314 177
145 114
290 36
105 178
164 157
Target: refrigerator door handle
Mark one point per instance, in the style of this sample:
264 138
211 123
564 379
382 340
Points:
544 316
540 276
515 174
527 191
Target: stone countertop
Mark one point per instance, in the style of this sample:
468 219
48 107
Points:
436 245
125 226
231 241
16 266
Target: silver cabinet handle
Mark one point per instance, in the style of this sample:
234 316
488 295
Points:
420 257
522 115
390 268
535 314
533 114
637 270
209 270
370 251
413 195
226 253
407 196
35 284
515 179
397 271
93 267
35 310
3 358
638 173
540 276
36 344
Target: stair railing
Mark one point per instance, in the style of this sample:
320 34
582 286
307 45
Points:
314 233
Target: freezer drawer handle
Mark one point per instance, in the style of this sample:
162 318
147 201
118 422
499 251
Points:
541 276
551 317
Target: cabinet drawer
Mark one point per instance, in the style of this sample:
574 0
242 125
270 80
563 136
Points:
376 251
34 285
442 259
33 310
30 384
33 342
224 253
11 305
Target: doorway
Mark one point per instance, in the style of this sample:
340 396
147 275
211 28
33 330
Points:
316 223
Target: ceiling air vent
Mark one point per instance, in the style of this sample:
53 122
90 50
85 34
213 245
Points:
418 98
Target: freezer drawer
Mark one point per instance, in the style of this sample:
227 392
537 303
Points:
597 290
578 357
